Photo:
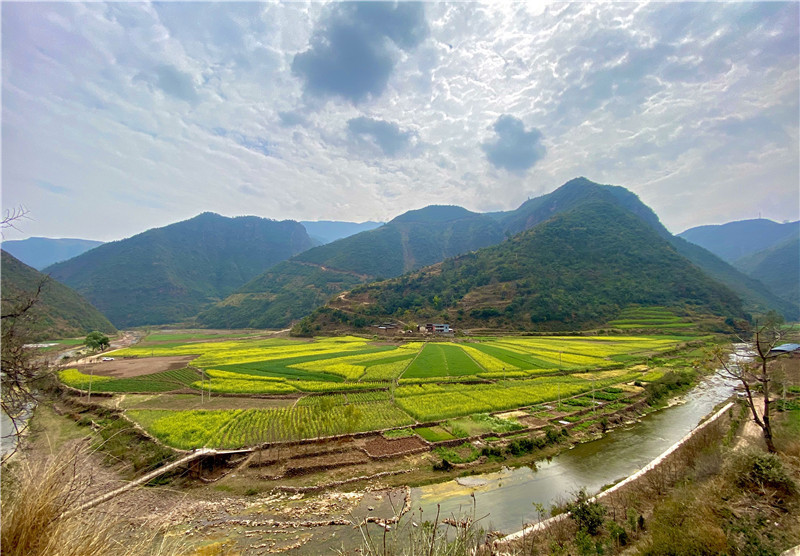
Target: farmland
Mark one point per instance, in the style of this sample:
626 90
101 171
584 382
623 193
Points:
342 385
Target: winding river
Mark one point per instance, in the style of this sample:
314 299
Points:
507 497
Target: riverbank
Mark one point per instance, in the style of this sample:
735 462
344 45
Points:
711 495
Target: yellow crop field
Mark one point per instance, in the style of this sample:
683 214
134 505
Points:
213 354
350 367
77 379
487 361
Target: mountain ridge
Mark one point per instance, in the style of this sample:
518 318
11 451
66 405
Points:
567 272
60 311
169 274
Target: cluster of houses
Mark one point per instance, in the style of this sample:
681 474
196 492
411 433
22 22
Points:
429 328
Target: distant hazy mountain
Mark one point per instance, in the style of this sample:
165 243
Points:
742 238
40 252
326 231
60 311
295 287
169 274
777 267
578 268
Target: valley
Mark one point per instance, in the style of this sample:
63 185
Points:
488 408
441 358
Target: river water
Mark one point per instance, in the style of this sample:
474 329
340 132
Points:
507 497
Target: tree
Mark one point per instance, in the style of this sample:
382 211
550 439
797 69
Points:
96 341
21 369
753 370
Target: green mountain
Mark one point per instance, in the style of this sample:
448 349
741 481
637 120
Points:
777 267
742 238
577 269
41 252
580 191
574 193
60 312
169 274
294 288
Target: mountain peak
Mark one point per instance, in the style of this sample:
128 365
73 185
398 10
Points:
435 213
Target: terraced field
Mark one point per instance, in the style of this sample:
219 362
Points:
334 386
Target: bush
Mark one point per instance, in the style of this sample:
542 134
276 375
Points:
754 469
588 514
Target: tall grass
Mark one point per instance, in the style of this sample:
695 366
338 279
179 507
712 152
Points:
37 517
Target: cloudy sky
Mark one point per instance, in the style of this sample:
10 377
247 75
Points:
120 117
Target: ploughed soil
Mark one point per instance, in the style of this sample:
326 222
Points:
379 446
127 368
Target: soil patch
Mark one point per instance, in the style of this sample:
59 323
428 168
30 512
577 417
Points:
383 447
127 368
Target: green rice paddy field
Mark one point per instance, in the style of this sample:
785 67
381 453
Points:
351 384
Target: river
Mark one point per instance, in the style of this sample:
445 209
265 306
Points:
507 497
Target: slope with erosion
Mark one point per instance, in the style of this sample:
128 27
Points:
576 270
294 288
169 274
60 312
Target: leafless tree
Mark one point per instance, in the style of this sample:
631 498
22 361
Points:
20 369
753 370
12 216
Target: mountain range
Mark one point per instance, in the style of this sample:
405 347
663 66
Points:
59 312
574 270
293 288
241 272
762 249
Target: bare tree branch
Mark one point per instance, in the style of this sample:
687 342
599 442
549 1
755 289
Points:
12 216
755 373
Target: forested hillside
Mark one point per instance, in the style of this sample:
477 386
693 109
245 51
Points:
59 312
575 270
168 274
777 267
294 288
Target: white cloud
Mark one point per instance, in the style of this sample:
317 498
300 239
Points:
138 115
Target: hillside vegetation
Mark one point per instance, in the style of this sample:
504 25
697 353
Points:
294 288
168 274
578 269
757 297
60 311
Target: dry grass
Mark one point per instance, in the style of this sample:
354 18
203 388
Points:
37 499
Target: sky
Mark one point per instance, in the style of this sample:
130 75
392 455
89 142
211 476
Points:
120 117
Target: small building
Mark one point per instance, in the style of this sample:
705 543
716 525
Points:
438 328
784 349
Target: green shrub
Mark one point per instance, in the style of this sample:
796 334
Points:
754 469
588 514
